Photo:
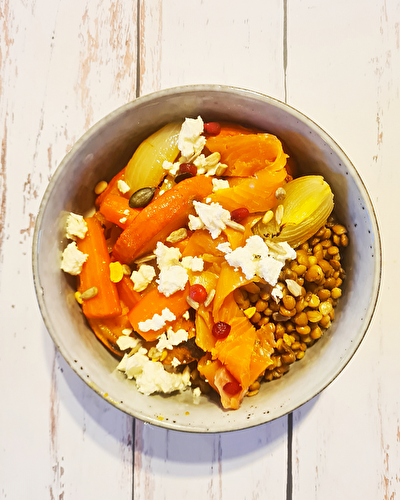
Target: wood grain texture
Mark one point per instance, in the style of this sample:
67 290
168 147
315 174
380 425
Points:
199 42
65 64
246 464
349 443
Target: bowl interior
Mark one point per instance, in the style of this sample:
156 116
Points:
103 151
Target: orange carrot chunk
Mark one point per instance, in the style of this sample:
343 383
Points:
108 330
96 273
153 303
256 193
127 293
112 187
246 154
116 209
157 220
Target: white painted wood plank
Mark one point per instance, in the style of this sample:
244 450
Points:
63 66
245 464
219 43
344 71
203 41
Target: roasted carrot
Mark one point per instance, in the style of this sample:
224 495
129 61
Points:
129 296
236 350
256 193
112 187
246 154
153 303
201 242
165 214
227 130
108 330
96 273
204 323
261 355
116 209
218 376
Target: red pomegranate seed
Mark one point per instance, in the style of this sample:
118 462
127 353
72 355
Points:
212 128
221 330
198 293
239 214
188 168
232 388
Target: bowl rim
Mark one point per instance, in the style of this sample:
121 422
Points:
258 96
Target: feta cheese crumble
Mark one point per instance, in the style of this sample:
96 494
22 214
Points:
73 259
191 141
194 264
172 168
125 342
212 217
166 256
76 227
171 279
170 339
173 275
277 293
157 322
220 184
151 376
123 186
224 247
256 259
175 362
142 277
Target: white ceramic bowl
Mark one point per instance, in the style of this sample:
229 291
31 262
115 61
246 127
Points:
103 151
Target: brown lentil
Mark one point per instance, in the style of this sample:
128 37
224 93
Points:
289 302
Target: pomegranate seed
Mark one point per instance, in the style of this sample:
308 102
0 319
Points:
198 293
239 214
232 388
212 128
188 168
221 330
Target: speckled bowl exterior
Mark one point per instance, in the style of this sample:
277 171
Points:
103 151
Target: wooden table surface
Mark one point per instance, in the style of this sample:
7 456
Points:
64 64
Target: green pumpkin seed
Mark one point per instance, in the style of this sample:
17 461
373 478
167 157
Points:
142 197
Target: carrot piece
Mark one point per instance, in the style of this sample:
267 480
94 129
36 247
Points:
165 214
256 193
201 242
96 273
108 330
112 187
127 293
218 376
261 355
116 209
208 368
204 323
236 350
227 130
246 154
229 280
153 303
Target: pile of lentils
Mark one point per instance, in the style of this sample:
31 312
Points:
311 287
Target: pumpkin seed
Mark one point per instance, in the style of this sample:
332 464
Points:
142 197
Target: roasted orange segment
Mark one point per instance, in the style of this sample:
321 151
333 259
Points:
256 193
246 154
